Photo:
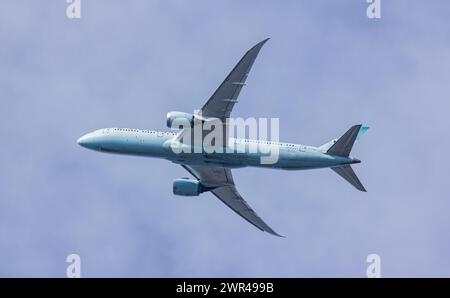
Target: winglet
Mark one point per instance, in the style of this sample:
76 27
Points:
261 43
272 232
256 48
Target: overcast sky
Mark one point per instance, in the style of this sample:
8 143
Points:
126 64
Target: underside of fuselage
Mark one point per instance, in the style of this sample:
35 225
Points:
241 162
164 145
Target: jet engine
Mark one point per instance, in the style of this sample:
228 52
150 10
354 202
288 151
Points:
179 119
188 187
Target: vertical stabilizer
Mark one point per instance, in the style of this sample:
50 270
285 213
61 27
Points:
344 145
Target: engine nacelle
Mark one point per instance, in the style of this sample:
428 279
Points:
179 118
188 187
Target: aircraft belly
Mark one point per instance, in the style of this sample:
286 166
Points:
135 145
300 160
290 161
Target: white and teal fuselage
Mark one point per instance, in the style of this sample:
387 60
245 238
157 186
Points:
160 144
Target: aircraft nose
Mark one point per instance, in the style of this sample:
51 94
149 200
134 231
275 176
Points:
87 141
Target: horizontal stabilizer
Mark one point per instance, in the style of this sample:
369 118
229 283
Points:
348 174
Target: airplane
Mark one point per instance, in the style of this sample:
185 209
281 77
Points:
212 172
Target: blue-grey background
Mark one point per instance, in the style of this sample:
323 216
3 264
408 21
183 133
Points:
126 64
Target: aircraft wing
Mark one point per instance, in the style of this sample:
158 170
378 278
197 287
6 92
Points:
225 190
222 101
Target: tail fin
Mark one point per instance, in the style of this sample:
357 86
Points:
344 145
326 146
347 173
362 131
